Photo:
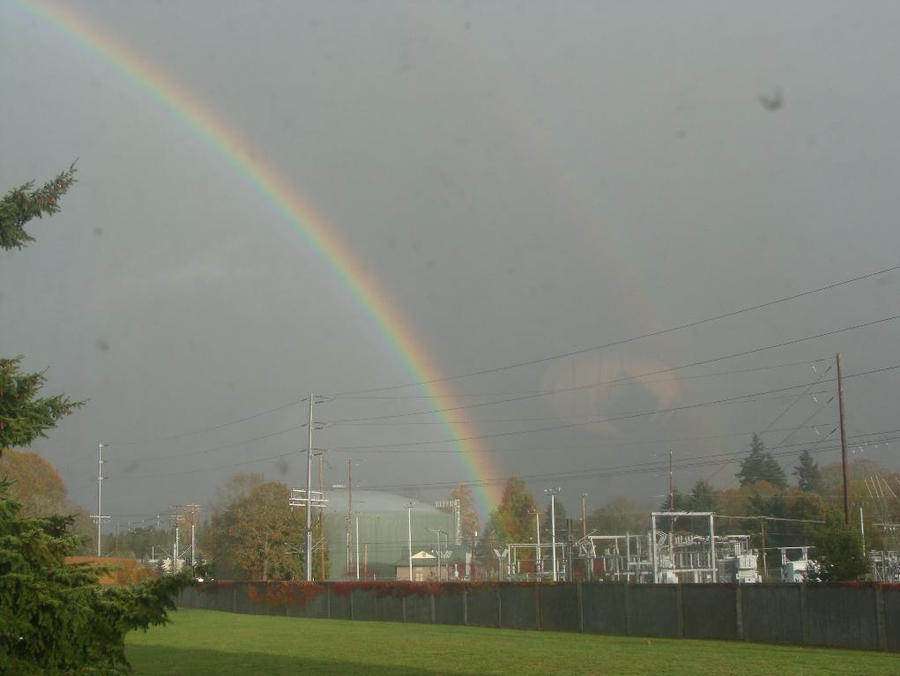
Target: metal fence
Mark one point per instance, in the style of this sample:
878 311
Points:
861 616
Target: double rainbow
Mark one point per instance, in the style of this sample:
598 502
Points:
317 233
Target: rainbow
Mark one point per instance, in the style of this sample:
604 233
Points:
315 230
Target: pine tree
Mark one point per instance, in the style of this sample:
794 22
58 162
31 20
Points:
760 465
24 415
809 476
703 497
54 617
57 618
23 204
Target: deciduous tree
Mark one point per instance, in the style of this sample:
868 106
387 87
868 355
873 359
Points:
38 488
258 536
513 519
839 553
618 517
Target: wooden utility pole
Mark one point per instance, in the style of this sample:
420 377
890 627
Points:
583 516
840 392
671 485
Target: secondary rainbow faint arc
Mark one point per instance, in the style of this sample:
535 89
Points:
324 239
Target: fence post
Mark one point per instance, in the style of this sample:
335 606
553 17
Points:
465 607
537 605
738 612
804 615
499 607
579 593
403 609
880 619
433 612
627 609
679 616
328 601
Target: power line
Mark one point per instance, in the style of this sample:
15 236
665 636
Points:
205 430
229 445
348 394
479 421
782 414
624 341
293 428
617 418
622 470
649 466
635 379
576 388
596 447
394 447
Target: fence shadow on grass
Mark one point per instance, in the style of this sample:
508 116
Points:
161 659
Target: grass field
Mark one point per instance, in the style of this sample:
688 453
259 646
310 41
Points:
207 642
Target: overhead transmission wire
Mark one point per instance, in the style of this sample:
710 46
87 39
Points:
629 416
667 443
623 341
698 376
811 450
641 468
633 468
479 421
780 415
205 430
296 427
269 435
626 416
496 369
575 388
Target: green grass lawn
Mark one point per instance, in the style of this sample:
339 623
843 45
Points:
207 642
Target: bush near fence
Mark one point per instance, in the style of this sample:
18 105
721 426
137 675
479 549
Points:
862 616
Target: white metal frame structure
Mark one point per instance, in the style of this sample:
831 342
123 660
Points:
654 545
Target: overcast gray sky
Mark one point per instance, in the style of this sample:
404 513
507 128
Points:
522 179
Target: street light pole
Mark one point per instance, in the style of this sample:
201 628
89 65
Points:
308 547
100 516
553 492
409 537
99 494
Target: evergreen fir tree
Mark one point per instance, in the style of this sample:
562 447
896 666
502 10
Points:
54 617
24 415
809 476
760 465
